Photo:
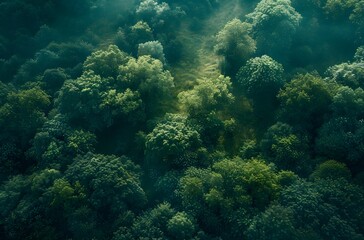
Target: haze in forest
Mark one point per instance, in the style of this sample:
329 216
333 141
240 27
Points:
182 119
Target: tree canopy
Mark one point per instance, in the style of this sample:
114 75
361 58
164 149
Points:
182 119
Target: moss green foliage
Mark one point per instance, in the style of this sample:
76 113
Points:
112 182
331 169
208 95
180 226
95 101
274 223
152 48
348 74
148 76
229 194
140 33
182 119
171 139
274 23
261 77
22 113
56 143
286 149
151 224
348 102
106 62
340 138
327 203
305 101
234 43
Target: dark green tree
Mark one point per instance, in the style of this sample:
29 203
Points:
95 102
261 78
235 44
305 102
22 113
327 209
56 144
286 149
340 139
112 183
275 223
172 140
274 23
331 169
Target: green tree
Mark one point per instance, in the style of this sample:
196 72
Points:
251 184
149 9
339 9
165 187
150 225
25 211
328 209
160 16
67 55
340 139
234 43
305 102
274 23
10 159
56 144
147 76
54 79
181 226
171 139
207 105
359 54
22 114
225 198
261 78
331 169
287 150
209 94
153 49
140 32
106 62
274 223
111 183
348 103
347 74
95 102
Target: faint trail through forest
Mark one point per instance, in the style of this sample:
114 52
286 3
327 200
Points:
199 55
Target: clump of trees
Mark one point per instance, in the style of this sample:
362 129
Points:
113 126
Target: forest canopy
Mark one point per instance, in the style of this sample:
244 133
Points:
182 119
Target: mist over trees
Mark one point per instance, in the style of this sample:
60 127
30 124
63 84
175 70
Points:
182 119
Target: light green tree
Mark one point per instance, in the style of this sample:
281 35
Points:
106 62
153 49
209 94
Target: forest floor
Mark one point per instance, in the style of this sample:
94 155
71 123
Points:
199 56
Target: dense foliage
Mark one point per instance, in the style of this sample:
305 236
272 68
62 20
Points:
182 119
